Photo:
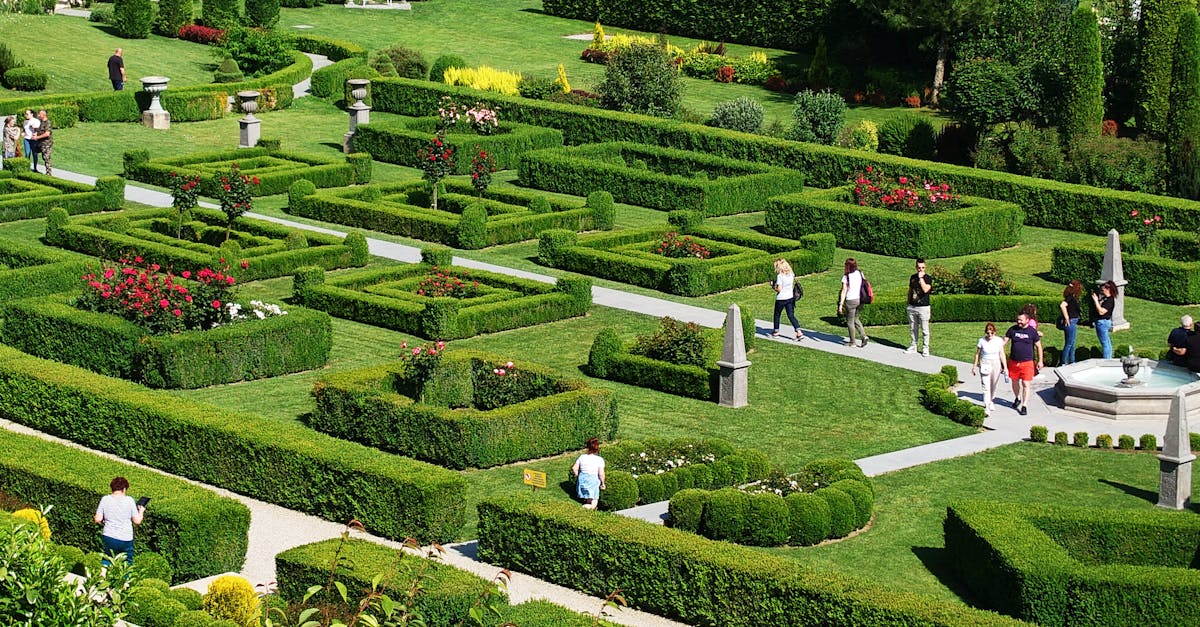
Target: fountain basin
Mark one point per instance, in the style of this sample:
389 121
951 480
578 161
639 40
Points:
1090 387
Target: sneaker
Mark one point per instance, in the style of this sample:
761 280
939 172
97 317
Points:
987 409
864 342
800 336
848 343
911 349
925 353
1023 411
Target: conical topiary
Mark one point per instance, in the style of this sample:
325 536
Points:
228 72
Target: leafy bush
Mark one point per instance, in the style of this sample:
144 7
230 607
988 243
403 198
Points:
232 597
650 489
537 88
1060 438
1038 433
219 14
680 343
842 514
8 60
724 516
983 92
1080 439
909 136
768 522
604 212
409 63
1104 441
228 71
744 114
442 63
817 117
642 79
101 15
1126 443
860 493
133 19
262 13
172 16
1148 442
809 517
26 78
258 52
686 509
864 135
1117 163
621 491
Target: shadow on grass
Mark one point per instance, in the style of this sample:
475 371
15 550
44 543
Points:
333 145
1141 493
938 561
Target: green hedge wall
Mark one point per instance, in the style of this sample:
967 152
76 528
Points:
658 178
610 359
282 463
402 209
400 143
199 533
981 225
369 405
675 574
280 170
50 328
335 49
1173 277
937 397
1078 566
36 270
25 194
1046 203
330 81
347 296
888 310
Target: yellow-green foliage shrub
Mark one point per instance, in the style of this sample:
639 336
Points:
232 597
35 517
484 78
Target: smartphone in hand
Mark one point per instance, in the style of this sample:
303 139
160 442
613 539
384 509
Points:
143 501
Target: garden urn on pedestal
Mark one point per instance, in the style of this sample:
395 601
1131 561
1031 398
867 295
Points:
360 113
250 126
1113 270
155 116
735 369
1175 462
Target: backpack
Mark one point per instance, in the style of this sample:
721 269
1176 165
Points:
797 290
866 294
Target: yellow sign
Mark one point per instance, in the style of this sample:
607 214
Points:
535 478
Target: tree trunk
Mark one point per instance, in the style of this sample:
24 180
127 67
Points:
939 68
435 196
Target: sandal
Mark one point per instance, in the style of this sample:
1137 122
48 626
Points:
775 334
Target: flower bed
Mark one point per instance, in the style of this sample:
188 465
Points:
640 472
980 225
463 409
31 270
738 257
659 178
1172 276
388 298
399 142
402 209
275 170
25 194
151 233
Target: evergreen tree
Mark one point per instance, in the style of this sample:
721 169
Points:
219 13
818 70
172 16
1083 102
1183 123
261 13
1156 32
133 19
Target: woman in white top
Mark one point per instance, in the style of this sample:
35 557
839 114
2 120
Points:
990 360
785 296
589 471
29 128
118 513
849 301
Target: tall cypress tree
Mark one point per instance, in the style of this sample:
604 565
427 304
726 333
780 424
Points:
1083 106
1156 33
1183 124
172 16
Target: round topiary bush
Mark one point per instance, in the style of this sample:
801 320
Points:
701 476
642 79
808 517
26 78
604 211
686 509
650 489
620 491
842 515
683 477
194 618
743 114
768 522
232 597
725 514
864 500
189 598
228 72
721 474
138 602
153 582
606 346
153 565
757 463
738 473
817 117
472 227
408 62
370 193
438 70
825 471
161 612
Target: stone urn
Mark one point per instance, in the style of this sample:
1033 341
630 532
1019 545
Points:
358 91
155 86
1130 363
248 102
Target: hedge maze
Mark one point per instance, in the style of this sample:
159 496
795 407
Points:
400 142
275 170
32 270
25 194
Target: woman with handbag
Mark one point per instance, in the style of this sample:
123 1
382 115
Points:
786 293
850 302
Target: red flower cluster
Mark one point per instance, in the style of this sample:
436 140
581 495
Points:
438 284
235 195
422 360
482 167
201 34
676 247
902 194
725 74
157 300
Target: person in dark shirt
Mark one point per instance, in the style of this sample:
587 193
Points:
1178 339
45 139
1105 301
1193 352
919 286
116 70
1024 344
1069 310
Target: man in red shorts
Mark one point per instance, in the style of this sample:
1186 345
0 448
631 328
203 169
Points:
1025 343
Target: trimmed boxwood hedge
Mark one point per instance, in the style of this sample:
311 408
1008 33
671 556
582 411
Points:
330 81
279 462
197 531
1172 277
659 178
699 581
1078 566
25 194
937 397
275 170
624 490
380 406
400 142
335 49
403 209
37 270
352 295
150 234
888 310
51 328
980 225
615 256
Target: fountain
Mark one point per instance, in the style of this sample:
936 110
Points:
1096 387
1130 363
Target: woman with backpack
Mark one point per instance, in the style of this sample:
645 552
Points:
786 293
850 302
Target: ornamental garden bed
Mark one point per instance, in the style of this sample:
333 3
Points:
31 270
453 303
463 409
653 470
737 257
25 194
1073 566
659 178
270 250
978 225
1171 276
274 170
401 142
462 219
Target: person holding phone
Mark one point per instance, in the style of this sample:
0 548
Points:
119 513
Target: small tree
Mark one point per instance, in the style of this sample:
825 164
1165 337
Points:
1083 109
185 195
172 16
133 19
437 162
818 70
262 13
235 195
219 13
817 116
642 79
483 165
1183 123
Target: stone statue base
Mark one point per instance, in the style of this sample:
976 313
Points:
160 120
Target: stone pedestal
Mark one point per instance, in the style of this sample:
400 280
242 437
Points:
360 113
1113 270
734 386
155 116
1175 462
249 126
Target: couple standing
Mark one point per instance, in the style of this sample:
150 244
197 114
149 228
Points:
39 138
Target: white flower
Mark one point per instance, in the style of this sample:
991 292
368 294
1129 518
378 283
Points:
260 314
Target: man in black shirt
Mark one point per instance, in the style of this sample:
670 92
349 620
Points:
1193 352
116 70
1025 343
919 286
1177 341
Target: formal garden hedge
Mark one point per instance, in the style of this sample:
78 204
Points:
401 142
463 413
25 194
387 297
270 250
979 225
1078 566
334 49
889 310
653 470
936 396
198 532
50 327
462 219
675 574
30 270
739 258
280 462
330 81
1046 203
659 178
275 170
1173 276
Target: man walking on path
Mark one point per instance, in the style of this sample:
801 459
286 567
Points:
45 139
919 286
116 70
1025 341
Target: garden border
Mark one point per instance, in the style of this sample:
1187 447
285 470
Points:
1156 278
321 171
37 271
400 142
76 198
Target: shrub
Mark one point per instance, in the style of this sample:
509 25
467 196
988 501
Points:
153 566
809 517
408 63
194 618
1038 433
219 14
1060 438
744 114
767 520
173 15
1183 123
1083 109
817 117
642 79
620 491
472 227
861 495
604 211
228 71
1080 439
1125 443
232 597
26 78
670 485
190 599
650 489
724 516
984 92
1117 163
201 34
680 343
842 515
533 87
133 19
1104 441
1148 442
442 63
262 13
686 509
258 52
101 15
1157 33
864 135
8 60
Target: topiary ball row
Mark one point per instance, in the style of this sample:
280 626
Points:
624 490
